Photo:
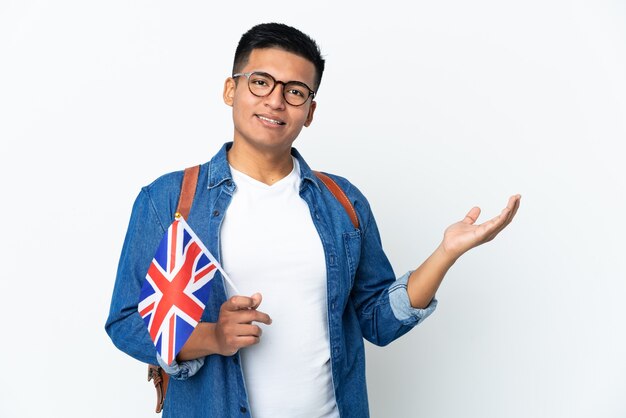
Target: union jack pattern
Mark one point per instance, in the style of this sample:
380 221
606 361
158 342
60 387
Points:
176 289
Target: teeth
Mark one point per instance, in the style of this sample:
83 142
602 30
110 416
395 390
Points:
276 122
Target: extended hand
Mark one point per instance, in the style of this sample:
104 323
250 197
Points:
465 235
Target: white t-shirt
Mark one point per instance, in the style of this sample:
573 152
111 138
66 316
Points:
270 245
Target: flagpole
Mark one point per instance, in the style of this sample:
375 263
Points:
181 219
224 275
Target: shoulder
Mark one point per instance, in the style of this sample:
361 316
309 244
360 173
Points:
357 199
346 186
353 193
165 183
169 184
163 193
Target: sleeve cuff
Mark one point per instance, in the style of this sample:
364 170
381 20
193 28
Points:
401 305
183 370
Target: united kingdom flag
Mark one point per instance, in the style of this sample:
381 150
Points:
176 289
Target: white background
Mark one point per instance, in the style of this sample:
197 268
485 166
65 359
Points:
429 107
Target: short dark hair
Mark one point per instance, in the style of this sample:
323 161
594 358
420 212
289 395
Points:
279 35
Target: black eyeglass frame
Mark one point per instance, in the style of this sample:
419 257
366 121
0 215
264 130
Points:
276 82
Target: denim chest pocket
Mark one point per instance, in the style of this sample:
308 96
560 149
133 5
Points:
352 244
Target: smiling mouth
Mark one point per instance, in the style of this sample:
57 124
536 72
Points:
275 122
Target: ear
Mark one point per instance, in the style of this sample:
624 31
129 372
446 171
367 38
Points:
229 91
309 117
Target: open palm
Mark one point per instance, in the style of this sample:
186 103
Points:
465 235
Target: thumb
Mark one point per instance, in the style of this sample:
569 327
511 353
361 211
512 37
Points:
471 216
256 300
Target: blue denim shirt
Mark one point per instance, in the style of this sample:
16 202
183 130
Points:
364 298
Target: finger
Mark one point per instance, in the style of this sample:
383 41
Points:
502 220
238 302
246 316
471 216
242 342
490 228
497 224
235 343
258 316
518 199
248 330
511 209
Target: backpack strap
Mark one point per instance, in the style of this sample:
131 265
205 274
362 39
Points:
187 193
340 196
160 380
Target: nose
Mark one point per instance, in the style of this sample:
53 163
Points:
275 99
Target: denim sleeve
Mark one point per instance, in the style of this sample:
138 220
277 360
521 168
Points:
183 370
401 305
381 302
124 325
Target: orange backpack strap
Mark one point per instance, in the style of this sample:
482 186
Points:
160 380
188 190
340 196
187 193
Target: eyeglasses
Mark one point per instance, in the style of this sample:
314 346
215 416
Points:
262 84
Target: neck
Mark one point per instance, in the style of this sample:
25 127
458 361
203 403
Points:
267 167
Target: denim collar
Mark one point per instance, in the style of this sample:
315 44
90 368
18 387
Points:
219 170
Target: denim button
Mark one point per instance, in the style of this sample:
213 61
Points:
243 409
216 213
229 183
